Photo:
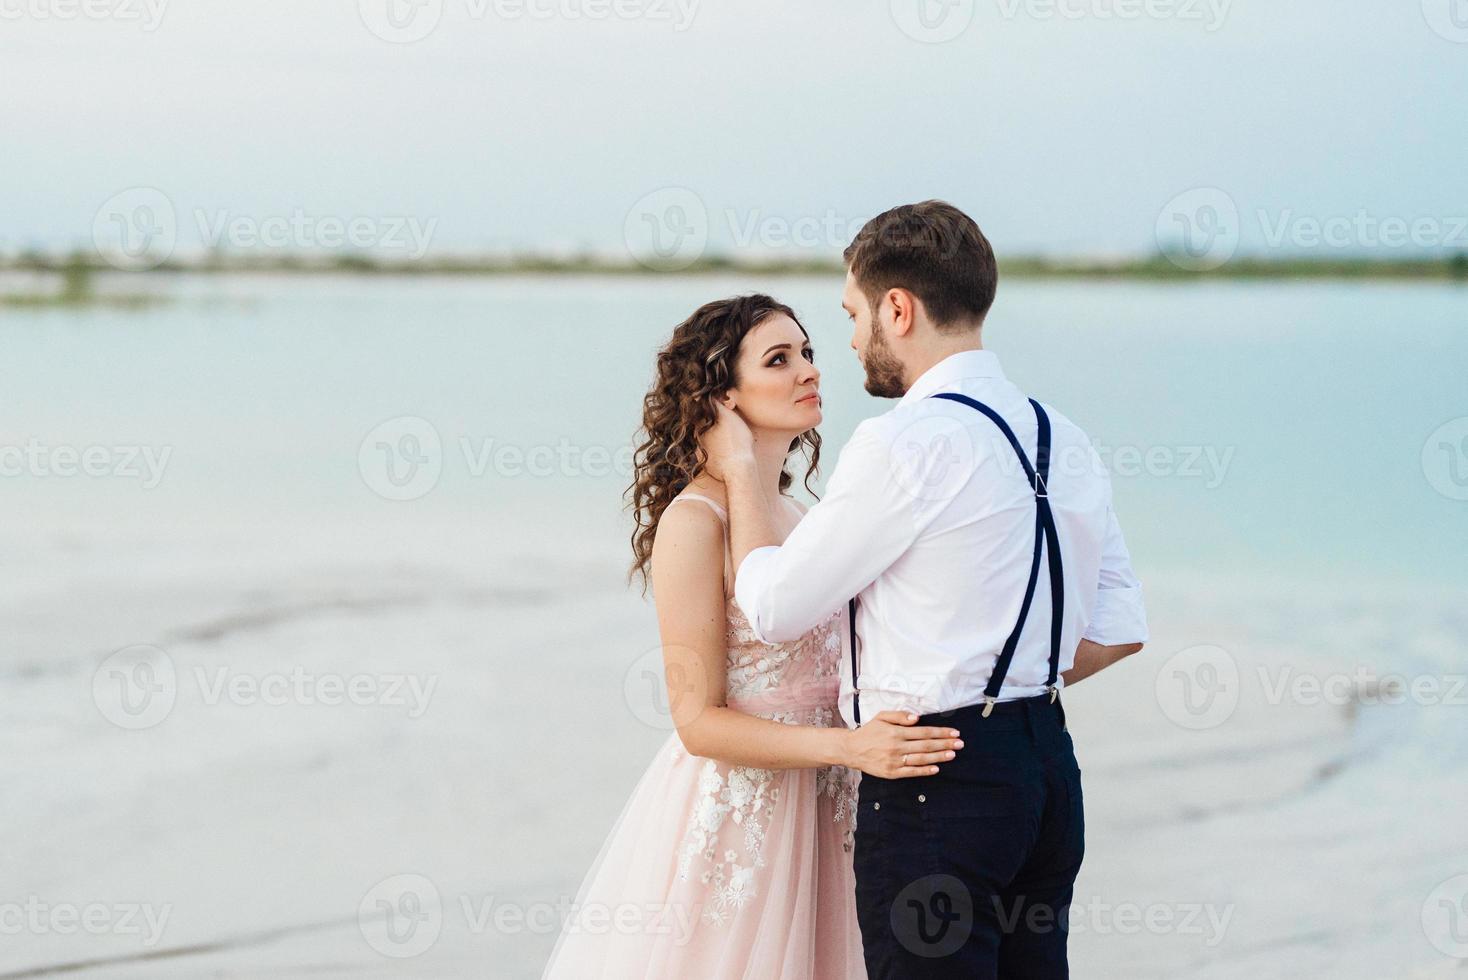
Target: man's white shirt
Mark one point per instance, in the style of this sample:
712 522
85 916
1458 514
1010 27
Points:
929 519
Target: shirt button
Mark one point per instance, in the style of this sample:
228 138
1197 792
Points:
876 806
922 798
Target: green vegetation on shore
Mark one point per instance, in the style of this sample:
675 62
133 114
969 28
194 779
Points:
76 286
75 273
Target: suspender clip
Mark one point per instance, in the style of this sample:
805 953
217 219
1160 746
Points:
1054 693
988 705
1042 492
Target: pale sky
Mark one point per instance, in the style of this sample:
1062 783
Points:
1063 126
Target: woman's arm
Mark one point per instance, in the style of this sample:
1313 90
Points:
688 585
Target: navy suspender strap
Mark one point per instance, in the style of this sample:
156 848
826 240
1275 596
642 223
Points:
855 691
1045 532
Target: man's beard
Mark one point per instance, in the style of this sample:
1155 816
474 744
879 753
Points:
884 371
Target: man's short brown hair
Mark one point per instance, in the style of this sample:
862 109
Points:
934 251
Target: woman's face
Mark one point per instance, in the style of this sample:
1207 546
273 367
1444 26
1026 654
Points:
778 384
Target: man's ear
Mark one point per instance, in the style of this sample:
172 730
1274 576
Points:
904 311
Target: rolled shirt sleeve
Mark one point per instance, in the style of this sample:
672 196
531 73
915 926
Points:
1120 616
864 524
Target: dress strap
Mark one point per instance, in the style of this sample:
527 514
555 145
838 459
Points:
723 514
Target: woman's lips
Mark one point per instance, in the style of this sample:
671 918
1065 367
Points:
806 398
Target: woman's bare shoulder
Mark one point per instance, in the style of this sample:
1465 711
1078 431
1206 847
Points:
687 531
688 549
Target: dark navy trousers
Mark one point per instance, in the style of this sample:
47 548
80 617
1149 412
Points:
969 873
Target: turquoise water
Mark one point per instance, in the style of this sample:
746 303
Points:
1287 422
266 548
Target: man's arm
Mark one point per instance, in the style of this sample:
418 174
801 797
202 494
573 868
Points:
864 523
1092 658
1118 625
688 584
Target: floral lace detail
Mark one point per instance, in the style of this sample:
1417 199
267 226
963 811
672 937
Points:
755 668
835 782
839 784
746 797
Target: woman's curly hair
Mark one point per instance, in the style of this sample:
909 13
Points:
696 365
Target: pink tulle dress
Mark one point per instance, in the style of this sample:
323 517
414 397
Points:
715 871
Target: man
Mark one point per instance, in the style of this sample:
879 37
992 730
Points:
975 528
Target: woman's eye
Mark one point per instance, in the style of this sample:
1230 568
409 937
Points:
777 359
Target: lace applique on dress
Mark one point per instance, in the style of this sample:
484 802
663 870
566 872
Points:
756 668
838 783
793 683
746 797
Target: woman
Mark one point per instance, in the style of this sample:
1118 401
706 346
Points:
732 858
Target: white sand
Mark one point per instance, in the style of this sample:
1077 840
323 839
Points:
1311 834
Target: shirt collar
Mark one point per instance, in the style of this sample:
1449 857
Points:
952 369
